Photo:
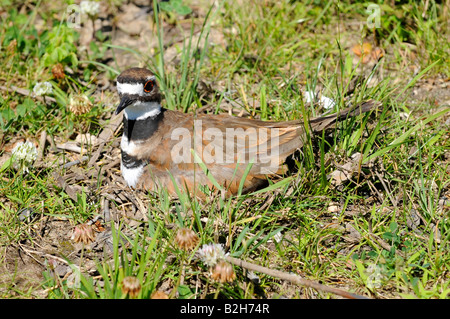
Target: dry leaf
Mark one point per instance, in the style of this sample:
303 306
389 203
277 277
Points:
346 171
362 50
367 52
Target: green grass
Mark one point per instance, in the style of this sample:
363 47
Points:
262 56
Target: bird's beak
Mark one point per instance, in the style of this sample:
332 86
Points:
124 102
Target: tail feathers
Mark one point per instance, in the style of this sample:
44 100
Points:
321 123
359 109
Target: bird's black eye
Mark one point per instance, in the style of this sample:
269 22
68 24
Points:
148 87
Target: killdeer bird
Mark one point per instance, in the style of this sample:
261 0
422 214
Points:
164 148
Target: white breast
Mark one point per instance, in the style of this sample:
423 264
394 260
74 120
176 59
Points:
128 146
132 175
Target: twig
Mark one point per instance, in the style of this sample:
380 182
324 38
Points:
71 147
374 189
385 245
28 252
76 162
42 141
69 190
26 92
105 136
96 155
141 207
106 211
52 144
42 254
393 201
293 278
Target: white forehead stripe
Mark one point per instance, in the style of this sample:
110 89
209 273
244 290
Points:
127 88
133 88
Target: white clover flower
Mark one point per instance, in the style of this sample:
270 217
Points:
278 237
23 155
210 254
43 88
309 96
91 8
79 104
327 103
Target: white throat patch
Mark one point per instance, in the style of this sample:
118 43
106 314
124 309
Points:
142 110
131 175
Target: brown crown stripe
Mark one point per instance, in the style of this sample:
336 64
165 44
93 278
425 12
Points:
134 75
